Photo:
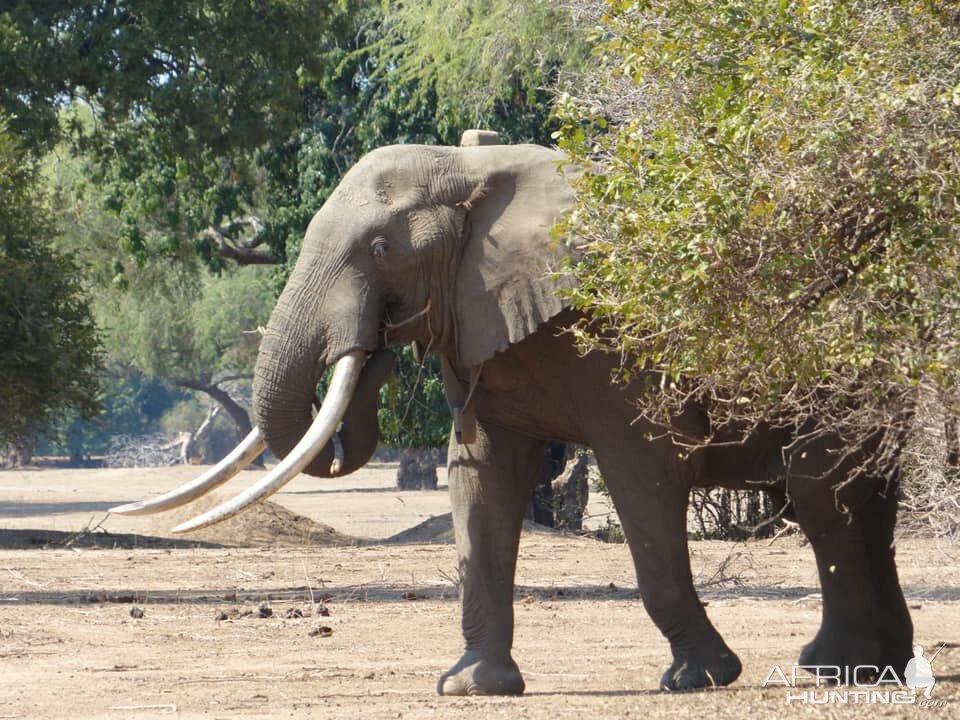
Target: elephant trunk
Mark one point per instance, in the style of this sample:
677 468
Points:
320 320
295 350
284 421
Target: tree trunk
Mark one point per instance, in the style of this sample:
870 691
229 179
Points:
418 469
20 453
189 442
543 504
240 417
571 491
236 412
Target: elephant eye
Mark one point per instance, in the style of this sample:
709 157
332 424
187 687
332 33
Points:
378 248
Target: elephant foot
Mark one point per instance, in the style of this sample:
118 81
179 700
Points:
473 675
896 641
856 652
695 672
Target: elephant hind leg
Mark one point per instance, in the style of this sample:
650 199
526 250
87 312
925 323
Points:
863 610
877 520
849 626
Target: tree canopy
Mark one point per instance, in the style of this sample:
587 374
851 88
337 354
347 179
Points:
183 100
203 74
208 134
49 345
413 410
219 128
482 63
771 203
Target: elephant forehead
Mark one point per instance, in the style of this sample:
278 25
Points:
398 176
391 191
358 192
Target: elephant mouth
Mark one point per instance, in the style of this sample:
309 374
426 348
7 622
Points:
323 429
406 330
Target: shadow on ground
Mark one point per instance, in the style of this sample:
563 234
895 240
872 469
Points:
30 539
26 509
378 592
340 491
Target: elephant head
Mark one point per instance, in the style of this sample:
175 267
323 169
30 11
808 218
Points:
448 247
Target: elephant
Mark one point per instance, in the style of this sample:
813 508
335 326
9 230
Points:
451 248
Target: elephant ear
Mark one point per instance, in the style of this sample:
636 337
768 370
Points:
505 286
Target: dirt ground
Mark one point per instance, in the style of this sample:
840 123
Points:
279 615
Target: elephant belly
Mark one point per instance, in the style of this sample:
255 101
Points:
528 413
542 387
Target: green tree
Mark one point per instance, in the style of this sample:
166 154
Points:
202 74
199 111
387 84
196 332
168 320
771 206
49 346
414 417
132 407
492 64
184 100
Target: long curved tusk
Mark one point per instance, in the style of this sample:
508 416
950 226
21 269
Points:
345 375
241 456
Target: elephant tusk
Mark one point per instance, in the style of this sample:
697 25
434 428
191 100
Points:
241 456
345 375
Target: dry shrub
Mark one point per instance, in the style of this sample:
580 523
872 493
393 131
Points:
769 213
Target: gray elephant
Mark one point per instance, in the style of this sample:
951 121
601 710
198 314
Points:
451 248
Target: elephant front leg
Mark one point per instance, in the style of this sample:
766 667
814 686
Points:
652 510
491 480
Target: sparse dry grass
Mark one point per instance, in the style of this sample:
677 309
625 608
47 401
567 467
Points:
69 647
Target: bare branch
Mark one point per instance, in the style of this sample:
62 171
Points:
220 380
239 416
243 251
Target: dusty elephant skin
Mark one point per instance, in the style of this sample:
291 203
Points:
451 248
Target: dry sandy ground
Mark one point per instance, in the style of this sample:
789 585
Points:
71 648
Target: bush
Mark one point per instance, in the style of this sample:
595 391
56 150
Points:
770 207
49 345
